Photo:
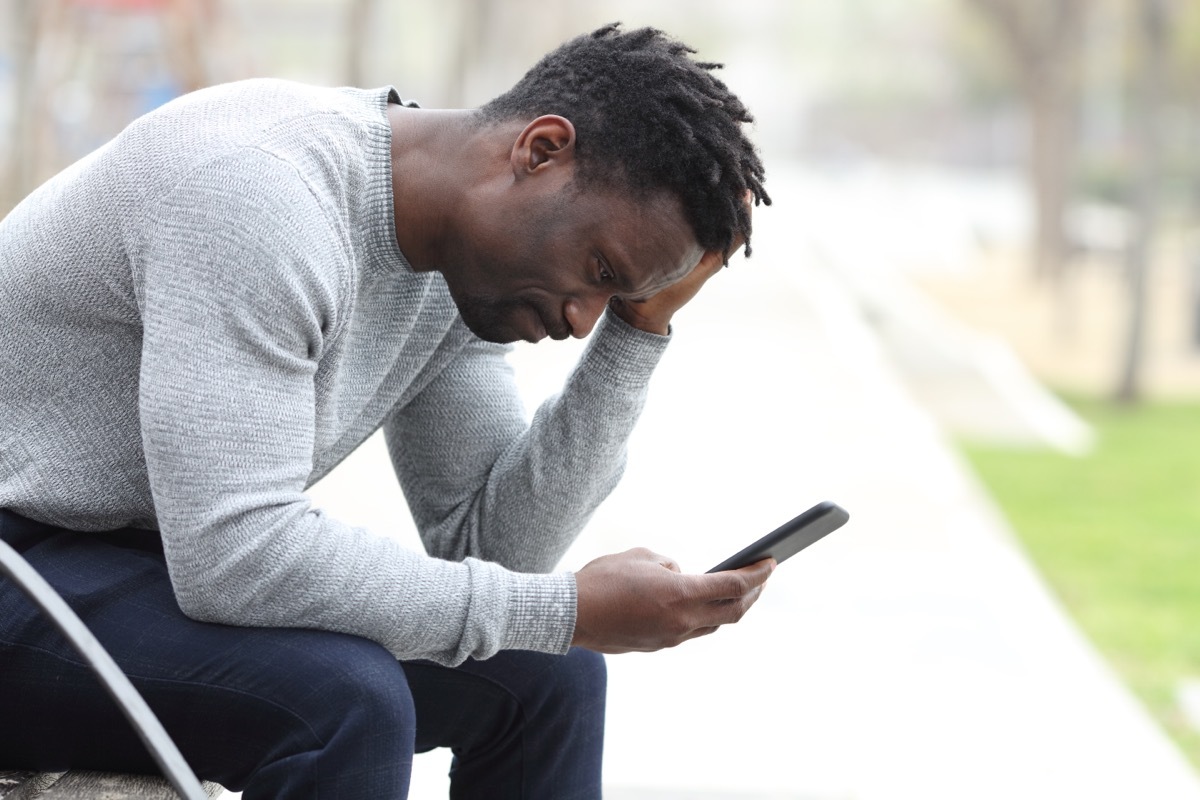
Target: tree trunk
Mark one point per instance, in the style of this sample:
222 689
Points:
357 16
475 21
1044 39
1054 126
1145 104
1053 103
23 16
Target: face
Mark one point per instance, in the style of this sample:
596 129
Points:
547 264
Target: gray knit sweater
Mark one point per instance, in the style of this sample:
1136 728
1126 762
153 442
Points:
205 316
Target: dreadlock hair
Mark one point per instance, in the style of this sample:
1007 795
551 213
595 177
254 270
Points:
649 118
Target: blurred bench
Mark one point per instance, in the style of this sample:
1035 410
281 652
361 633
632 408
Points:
81 785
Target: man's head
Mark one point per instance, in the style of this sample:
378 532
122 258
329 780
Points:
607 171
648 119
554 254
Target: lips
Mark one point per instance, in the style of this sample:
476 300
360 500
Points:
558 333
536 330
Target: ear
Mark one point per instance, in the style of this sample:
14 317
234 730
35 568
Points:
546 142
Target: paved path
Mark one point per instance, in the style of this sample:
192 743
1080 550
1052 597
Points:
913 654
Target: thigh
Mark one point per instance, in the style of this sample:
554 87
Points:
234 699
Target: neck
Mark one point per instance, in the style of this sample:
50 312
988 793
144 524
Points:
438 158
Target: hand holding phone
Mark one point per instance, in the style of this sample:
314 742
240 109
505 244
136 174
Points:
640 601
791 537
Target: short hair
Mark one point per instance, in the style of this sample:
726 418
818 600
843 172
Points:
649 117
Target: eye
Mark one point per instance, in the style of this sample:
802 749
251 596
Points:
606 272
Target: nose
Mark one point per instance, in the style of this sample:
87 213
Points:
582 313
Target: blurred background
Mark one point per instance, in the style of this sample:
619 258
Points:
1004 195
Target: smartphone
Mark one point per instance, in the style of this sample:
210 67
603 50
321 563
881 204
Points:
791 537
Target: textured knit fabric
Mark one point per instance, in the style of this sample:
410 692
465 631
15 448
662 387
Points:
205 316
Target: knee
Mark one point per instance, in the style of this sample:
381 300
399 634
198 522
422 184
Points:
367 679
297 706
581 678
354 688
574 713
573 684
586 671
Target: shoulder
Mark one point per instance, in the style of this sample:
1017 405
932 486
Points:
247 228
260 103
295 122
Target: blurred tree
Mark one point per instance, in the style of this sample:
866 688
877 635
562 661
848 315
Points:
1150 75
1044 42
23 18
470 48
358 13
90 66
496 41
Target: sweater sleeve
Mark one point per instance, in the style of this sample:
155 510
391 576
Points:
483 483
244 277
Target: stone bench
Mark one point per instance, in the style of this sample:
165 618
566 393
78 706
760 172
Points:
82 785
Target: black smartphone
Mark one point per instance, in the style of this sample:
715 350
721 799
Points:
791 537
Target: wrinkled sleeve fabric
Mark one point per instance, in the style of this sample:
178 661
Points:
483 482
244 280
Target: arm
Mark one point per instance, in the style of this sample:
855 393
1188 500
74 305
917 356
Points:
638 600
478 483
482 482
238 303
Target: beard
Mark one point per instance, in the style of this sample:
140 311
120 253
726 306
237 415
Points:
493 319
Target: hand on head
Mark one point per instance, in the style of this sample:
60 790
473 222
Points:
655 312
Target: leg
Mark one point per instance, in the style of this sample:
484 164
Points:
272 713
521 724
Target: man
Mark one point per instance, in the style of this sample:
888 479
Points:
204 317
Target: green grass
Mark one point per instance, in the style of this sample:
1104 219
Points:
1117 535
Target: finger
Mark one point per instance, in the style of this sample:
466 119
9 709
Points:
766 565
716 263
726 612
739 239
719 586
694 633
735 583
710 264
756 574
705 631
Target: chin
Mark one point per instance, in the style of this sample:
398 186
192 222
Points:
497 321
496 337
481 319
483 329
488 327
